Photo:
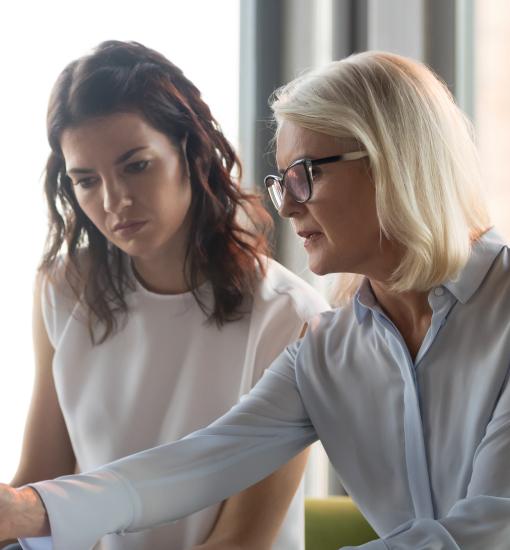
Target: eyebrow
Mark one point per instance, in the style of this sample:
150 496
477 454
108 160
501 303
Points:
125 156
282 170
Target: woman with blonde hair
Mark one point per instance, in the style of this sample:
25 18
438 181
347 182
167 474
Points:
406 384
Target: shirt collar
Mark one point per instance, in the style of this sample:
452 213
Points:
483 253
364 300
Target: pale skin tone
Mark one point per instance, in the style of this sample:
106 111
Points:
341 230
132 183
345 234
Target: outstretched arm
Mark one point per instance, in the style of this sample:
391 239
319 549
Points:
265 430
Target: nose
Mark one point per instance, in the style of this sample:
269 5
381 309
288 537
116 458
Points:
116 195
290 208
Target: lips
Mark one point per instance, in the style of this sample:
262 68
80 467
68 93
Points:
308 234
129 224
310 237
128 229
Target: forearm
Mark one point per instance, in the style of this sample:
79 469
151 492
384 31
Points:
159 485
22 513
255 438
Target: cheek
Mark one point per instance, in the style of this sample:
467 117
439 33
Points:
348 219
173 202
356 206
92 208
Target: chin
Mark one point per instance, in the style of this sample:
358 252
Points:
134 250
322 258
318 270
326 265
319 267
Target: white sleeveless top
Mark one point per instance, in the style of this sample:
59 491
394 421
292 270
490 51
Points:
166 373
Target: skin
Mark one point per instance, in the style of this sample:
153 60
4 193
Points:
123 170
341 228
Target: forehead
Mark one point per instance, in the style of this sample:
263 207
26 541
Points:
295 142
109 135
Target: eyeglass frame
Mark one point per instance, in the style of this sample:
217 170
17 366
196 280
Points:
309 164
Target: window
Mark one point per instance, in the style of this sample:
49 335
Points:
492 104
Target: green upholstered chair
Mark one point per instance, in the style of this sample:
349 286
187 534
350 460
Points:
334 522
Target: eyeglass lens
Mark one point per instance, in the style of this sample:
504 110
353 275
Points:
296 182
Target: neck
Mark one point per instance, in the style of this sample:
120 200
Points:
410 312
411 305
162 275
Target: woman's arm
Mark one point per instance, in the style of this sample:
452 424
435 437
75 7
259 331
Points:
251 519
260 434
21 511
47 451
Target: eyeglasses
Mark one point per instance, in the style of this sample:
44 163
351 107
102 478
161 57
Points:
297 180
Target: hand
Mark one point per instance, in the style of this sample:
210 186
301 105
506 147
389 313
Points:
7 504
22 513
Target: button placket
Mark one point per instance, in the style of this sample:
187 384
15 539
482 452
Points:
415 455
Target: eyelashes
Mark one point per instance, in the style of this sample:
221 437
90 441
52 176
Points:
136 167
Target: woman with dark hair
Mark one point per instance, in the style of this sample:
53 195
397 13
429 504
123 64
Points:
156 309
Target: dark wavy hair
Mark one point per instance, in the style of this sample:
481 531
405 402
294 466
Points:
128 77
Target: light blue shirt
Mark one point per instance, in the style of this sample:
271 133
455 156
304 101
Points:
422 446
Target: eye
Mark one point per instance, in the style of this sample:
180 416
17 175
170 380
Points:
86 183
316 172
137 167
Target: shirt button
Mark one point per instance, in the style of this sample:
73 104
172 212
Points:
438 291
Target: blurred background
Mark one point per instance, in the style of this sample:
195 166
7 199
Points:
237 52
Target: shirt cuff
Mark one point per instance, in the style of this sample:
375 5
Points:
37 543
83 508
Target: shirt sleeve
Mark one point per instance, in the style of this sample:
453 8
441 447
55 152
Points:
265 430
482 518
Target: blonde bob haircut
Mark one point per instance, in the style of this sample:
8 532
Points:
422 157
